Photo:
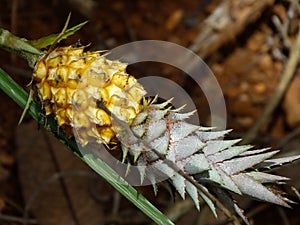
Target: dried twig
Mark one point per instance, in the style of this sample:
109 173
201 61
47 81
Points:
288 138
287 75
228 20
15 219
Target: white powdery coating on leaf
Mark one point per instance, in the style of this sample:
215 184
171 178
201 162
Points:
187 146
229 153
236 165
181 129
250 187
212 135
265 177
155 129
215 146
200 153
193 192
179 184
196 164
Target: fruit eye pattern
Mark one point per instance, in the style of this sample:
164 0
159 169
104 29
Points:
70 81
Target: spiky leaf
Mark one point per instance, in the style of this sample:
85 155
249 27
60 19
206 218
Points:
201 154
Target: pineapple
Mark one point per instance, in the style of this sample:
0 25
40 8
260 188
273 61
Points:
71 82
96 98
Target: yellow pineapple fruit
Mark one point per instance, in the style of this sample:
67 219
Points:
70 84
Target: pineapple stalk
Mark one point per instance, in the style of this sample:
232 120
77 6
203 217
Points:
18 46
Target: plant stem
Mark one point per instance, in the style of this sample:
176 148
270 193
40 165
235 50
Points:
19 46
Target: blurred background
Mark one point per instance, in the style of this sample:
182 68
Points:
247 45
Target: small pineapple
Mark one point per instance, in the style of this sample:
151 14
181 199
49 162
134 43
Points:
94 95
74 85
71 82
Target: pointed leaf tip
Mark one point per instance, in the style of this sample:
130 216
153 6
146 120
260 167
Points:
277 162
179 183
237 165
180 130
251 187
193 193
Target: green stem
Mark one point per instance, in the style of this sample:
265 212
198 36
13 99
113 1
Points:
13 90
30 50
19 46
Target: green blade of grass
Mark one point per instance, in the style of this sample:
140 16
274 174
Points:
19 95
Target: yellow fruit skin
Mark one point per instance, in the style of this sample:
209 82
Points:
70 84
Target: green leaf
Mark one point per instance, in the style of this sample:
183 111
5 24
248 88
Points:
50 39
197 164
181 129
188 146
18 95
